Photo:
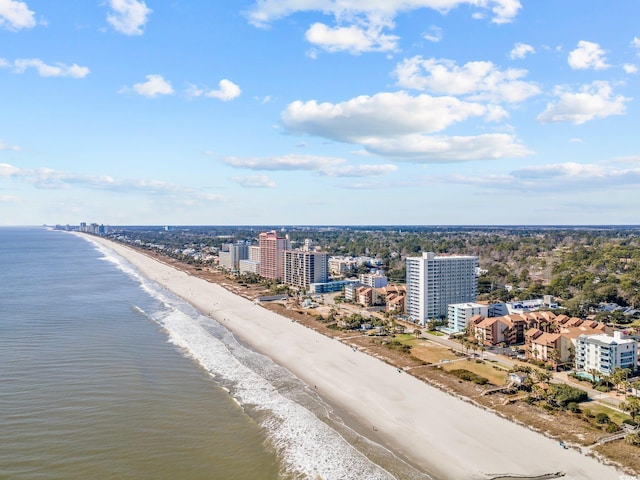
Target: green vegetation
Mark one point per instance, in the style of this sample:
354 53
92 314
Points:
580 266
463 374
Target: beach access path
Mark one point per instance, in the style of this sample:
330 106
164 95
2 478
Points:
439 433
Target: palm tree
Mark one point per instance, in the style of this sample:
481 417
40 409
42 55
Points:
417 332
554 356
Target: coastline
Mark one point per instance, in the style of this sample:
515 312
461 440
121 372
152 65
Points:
439 433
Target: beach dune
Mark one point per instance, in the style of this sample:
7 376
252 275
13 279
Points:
438 433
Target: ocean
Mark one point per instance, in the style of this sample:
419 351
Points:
106 375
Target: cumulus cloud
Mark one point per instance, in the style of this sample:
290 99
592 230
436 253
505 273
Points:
154 86
254 181
589 103
448 149
227 90
128 16
588 55
354 39
521 50
635 43
480 81
383 114
15 15
266 11
45 70
398 125
433 34
47 178
360 25
630 68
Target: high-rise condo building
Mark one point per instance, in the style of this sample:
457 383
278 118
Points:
272 249
302 268
434 282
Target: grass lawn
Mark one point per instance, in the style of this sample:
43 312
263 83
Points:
431 353
496 376
596 408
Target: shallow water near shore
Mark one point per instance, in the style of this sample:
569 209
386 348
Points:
107 375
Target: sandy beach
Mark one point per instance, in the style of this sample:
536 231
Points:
439 433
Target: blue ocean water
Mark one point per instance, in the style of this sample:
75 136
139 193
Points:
105 375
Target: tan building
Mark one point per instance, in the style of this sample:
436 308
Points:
272 249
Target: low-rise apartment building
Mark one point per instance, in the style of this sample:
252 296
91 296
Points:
605 353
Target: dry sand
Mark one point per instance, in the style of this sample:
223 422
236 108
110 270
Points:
439 433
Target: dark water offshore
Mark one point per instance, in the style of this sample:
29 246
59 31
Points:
91 389
105 375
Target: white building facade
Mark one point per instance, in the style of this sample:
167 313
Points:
434 282
373 280
604 353
459 315
301 268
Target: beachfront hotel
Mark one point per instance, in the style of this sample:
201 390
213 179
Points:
434 282
272 249
302 268
605 353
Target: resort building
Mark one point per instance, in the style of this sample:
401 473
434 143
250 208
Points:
605 353
302 268
373 280
254 253
230 255
272 249
249 266
434 282
460 314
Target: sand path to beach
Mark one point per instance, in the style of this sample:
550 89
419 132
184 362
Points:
442 434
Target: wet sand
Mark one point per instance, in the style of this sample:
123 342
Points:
439 433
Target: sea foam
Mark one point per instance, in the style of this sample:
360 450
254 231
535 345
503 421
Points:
308 447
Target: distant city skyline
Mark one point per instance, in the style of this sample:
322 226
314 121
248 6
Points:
254 112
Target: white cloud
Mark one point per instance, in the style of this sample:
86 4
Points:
383 114
49 179
521 50
266 11
359 170
560 178
442 149
360 25
328 166
591 102
477 80
434 34
284 162
154 86
44 70
15 15
254 181
354 39
630 68
587 55
397 125
4 146
227 91
635 43
128 16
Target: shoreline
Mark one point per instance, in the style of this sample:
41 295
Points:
439 433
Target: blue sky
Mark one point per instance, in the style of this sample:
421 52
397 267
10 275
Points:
288 112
